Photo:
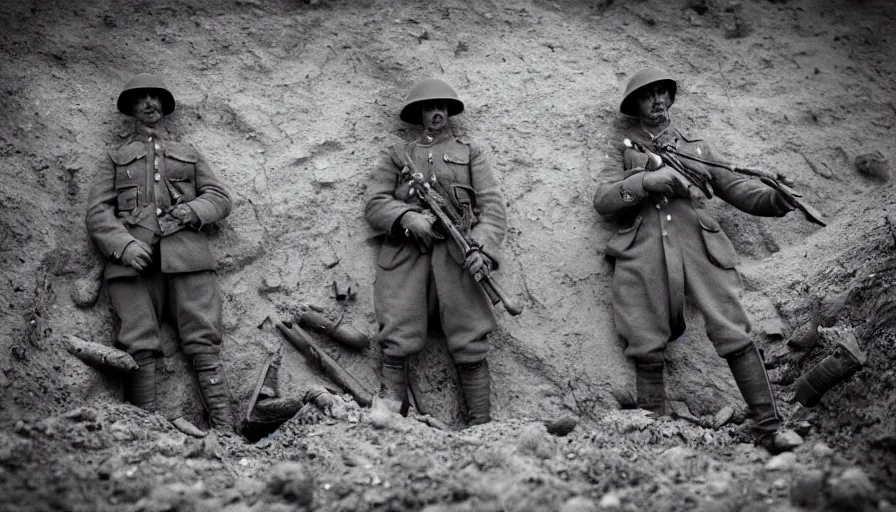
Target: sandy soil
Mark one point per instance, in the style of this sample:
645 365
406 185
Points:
292 101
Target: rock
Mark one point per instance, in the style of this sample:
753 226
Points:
292 481
561 426
81 414
14 451
610 501
781 462
534 440
822 450
803 428
578 504
722 417
807 489
786 440
873 164
852 490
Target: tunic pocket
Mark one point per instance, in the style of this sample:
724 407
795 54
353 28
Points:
393 253
180 171
127 198
624 238
718 248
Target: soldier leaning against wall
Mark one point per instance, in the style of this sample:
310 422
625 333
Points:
668 248
146 211
419 270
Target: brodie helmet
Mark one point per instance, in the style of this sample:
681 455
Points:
427 90
142 83
641 79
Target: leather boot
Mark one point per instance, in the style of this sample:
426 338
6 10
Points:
651 391
394 386
476 390
214 391
749 374
143 381
832 370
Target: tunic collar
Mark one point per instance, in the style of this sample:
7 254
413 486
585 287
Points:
426 141
143 132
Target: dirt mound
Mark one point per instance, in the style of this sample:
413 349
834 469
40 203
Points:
292 101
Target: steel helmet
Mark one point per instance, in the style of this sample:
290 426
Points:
640 79
427 90
144 82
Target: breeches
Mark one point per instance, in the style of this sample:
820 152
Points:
405 295
192 298
642 298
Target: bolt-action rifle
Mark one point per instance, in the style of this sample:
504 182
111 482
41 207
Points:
439 205
670 156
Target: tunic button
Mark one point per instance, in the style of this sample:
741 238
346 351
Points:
158 176
158 211
158 147
668 217
665 233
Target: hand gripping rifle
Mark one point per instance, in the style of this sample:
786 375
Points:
438 204
777 181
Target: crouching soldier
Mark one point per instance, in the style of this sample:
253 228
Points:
668 248
419 271
145 212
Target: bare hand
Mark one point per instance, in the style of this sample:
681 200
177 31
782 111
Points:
419 225
666 181
137 254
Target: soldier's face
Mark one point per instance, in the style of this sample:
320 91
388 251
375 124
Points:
148 109
653 102
434 115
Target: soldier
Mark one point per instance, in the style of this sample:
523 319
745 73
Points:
145 212
418 271
669 247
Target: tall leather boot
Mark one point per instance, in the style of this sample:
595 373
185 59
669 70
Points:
749 374
651 391
394 386
143 381
832 370
214 391
476 389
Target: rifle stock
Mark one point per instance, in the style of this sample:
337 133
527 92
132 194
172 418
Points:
424 192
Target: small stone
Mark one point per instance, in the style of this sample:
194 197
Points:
873 164
578 504
808 489
292 481
781 462
786 440
610 501
803 428
822 450
81 414
561 426
722 417
852 490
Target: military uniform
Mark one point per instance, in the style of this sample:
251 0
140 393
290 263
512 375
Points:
125 203
409 281
669 248
417 272
141 185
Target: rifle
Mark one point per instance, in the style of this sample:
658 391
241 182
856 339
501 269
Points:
777 181
434 201
306 346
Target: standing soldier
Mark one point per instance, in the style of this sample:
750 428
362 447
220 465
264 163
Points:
145 213
668 247
418 270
